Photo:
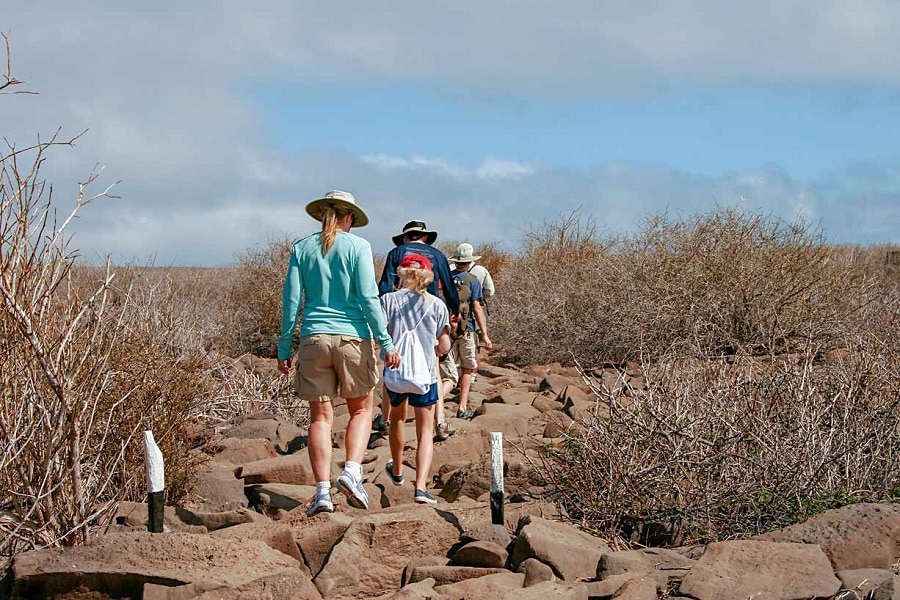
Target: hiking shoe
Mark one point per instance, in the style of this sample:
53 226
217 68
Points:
380 425
397 479
465 414
424 497
321 503
354 490
441 432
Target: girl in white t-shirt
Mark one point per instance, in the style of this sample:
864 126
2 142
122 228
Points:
412 309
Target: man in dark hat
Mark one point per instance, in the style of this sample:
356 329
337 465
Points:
416 238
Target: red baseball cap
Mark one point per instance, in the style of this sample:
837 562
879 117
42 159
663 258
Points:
415 261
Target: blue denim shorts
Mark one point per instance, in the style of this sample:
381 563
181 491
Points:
415 400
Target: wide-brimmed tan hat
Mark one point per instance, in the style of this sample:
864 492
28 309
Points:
339 199
415 227
464 253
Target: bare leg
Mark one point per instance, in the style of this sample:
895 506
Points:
359 427
321 419
396 435
385 404
425 445
465 383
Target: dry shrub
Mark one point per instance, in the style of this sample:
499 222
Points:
549 305
253 301
718 283
82 372
712 450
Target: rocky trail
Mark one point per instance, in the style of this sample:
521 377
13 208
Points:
247 535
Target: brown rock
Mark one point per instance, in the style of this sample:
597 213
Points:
763 570
511 397
557 423
489 586
120 564
642 562
608 587
572 554
272 587
274 535
449 574
535 572
643 588
474 479
293 469
285 436
480 554
218 520
854 537
555 383
217 489
316 536
238 451
279 496
865 581
487 532
370 557
135 514
558 590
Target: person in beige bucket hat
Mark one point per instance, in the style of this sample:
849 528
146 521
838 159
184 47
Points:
465 345
331 274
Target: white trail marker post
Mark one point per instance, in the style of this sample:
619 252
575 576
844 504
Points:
497 478
156 483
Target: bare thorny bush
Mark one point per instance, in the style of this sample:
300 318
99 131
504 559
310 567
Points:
714 450
82 372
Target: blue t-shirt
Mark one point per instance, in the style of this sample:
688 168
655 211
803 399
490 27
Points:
338 292
476 293
442 286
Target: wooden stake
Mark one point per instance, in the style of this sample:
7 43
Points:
497 478
156 483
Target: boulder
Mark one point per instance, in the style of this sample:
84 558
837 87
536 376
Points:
135 515
480 554
285 436
120 564
421 590
510 419
474 479
858 536
293 469
655 561
217 489
535 572
757 569
487 532
271 497
493 371
370 556
545 404
238 451
488 586
571 553
555 383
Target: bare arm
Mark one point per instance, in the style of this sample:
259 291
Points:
481 322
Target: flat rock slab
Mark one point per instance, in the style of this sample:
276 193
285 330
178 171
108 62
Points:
762 571
448 574
860 536
120 564
369 558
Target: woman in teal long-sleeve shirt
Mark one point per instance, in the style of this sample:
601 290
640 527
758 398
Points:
332 273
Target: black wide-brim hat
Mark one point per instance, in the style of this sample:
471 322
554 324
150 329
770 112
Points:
415 227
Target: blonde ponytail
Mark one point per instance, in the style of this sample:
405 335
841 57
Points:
331 214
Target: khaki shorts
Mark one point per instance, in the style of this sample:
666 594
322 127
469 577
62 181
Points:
465 350
447 368
329 366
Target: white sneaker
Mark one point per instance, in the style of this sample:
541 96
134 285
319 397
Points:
354 490
321 503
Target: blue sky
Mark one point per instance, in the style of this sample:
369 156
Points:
222 120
